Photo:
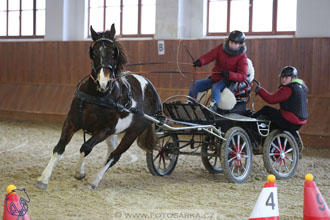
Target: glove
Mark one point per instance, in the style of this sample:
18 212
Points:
198 63
224 74
257 89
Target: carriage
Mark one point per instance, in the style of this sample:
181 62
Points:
225 140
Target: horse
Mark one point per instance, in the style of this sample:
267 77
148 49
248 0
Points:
107 102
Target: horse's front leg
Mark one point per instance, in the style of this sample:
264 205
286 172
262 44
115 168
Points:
67 132
112 143
125 143
86 148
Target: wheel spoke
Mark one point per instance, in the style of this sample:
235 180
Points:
233 158
231 151
275 162
233 168
163 140
233 142
276 147
164 163
285 143
238 143
279 142
244 168
243 146
289 159
288 151
280 169
274 154
215 161
156 157
158 165
238 171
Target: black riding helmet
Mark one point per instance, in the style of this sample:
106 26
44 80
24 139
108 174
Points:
289 71
237 36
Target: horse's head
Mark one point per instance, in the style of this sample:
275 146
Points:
107 58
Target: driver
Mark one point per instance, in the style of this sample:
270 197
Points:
292 97
230 65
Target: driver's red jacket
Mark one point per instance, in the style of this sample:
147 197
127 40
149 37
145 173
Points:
237 66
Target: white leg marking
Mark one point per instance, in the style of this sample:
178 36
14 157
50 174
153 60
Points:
80 171
112 143
96 180
44 178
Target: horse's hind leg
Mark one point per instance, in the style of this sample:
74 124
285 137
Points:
80 171
125 143
67 132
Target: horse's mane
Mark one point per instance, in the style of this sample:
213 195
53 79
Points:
122 59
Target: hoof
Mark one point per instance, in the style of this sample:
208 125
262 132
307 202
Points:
92 185
79 176
41 185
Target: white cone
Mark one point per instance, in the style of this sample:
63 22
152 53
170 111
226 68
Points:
266 207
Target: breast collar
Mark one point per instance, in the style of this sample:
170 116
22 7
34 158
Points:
105 101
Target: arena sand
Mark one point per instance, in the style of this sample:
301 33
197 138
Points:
129 191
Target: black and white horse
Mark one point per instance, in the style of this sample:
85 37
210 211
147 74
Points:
106 103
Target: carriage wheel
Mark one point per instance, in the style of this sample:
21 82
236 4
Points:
236 155
281 154
211 157
162 161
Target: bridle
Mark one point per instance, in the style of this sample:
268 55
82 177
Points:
95 69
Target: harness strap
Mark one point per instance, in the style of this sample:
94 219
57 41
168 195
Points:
105 102
102 101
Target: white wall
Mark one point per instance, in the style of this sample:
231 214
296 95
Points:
74 15
54 20
179 19
313 18
66 19
167 15
190 21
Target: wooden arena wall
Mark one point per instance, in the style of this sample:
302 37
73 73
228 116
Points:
37 79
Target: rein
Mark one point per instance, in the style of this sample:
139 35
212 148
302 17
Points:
155 63
171 71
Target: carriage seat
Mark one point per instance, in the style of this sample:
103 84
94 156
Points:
243 89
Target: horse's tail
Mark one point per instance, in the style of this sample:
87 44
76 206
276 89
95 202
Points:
147 140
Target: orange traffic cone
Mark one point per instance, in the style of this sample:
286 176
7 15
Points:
266 207
315 207
15 208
